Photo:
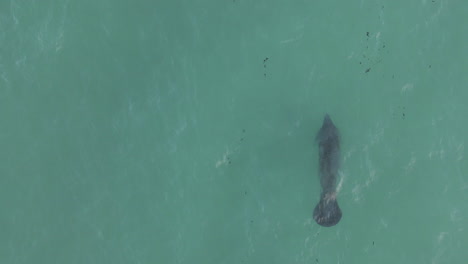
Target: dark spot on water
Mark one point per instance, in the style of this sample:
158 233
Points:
251 221
429 66
367 33
373 243
264 65
245 192
316 260
368 70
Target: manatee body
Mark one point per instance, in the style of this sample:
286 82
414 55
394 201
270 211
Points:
327 212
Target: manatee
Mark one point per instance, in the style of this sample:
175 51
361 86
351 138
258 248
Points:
327 212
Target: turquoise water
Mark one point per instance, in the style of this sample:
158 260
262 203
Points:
183 131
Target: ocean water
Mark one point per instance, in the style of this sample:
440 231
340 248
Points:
178 131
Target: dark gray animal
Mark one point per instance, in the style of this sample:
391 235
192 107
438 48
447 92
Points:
327 212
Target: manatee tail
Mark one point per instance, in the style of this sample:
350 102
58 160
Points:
327 212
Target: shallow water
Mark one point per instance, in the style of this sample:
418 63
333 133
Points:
184 131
